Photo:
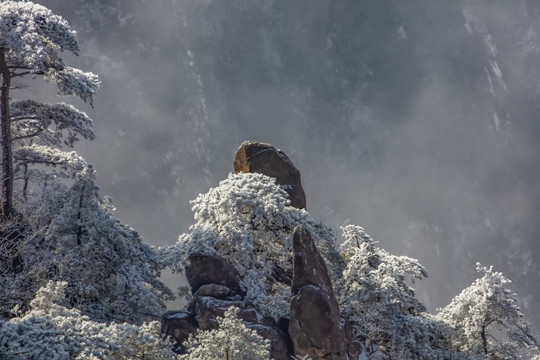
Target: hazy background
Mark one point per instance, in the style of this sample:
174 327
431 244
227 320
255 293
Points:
418 120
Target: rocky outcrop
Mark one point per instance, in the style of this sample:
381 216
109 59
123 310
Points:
205 269
316 327
177 326
258 157
215 285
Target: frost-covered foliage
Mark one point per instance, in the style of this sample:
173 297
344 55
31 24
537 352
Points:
373 275
33 38
385 313
40 131
51 330
247 220
68 161
70 233
232 341
483 322
33 119
112 275
487 320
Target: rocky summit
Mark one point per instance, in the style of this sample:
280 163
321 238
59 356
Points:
315 326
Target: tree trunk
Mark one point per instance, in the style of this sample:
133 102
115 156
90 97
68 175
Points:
5 125
484 339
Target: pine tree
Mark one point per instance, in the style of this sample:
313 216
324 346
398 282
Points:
32 40
54 221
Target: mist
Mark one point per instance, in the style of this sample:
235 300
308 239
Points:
416 121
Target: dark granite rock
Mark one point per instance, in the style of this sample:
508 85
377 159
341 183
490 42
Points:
280 345
281 275
257 157
316 327
309 266
215 291
210 269
178 325
206 309
354 344
280 348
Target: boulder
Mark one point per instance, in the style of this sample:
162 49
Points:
205 269
280 345
207 309
309 267
258 157
215 291
280 348
316 327
178 325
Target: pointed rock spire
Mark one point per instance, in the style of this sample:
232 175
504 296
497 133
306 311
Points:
316 326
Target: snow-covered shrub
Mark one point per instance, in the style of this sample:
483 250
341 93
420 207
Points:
247 220
487 320
373 275
483 322
374 294
50 330
112 275
232 341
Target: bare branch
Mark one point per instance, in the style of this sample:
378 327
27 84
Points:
14 74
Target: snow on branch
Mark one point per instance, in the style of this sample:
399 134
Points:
247 220
32 38
49 156
53 331
31 118
71 81
233 340
484 311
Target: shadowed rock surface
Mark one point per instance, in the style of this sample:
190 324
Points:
215 285
316 327
209 269
257 157
178 325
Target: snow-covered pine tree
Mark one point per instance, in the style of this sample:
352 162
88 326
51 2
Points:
246 219
64 231
487 322
51 330
32 39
